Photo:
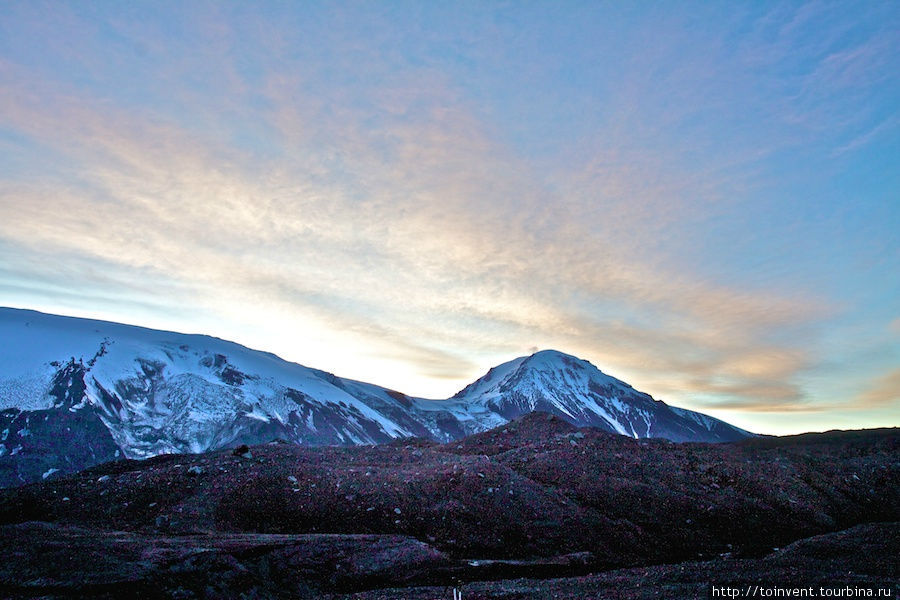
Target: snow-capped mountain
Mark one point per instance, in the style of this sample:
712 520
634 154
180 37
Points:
550 381
77 392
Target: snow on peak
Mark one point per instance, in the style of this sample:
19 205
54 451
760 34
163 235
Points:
552 367
555 360
560 383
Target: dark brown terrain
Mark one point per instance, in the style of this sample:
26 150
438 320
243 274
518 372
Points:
582 513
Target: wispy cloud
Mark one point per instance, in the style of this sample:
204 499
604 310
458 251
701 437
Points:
869 135
883 391
323 179
426 225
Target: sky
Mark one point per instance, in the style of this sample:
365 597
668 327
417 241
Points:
701 198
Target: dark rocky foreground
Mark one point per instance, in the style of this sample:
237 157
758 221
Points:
865 555
590 514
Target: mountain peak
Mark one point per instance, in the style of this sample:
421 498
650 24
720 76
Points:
545 368
576 390
551 353
554 359
553 356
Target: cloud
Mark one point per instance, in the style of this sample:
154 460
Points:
391 214
868 136
883 391
894 326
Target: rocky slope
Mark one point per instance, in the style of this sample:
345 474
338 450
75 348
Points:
535 497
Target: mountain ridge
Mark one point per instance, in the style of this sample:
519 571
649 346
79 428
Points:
128 391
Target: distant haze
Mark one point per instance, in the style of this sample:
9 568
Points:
702 199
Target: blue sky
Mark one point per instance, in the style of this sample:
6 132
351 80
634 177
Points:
702 199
